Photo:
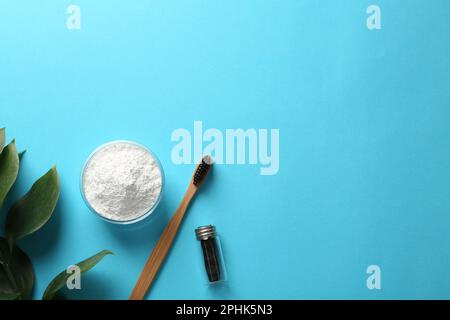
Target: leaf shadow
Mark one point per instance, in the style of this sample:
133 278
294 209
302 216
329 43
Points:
43 239
94 286
42 242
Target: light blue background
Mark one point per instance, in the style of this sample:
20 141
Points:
364 139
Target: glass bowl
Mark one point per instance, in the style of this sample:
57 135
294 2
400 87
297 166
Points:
134 220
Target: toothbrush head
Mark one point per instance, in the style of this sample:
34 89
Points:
202 170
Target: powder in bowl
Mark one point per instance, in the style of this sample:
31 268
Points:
122 181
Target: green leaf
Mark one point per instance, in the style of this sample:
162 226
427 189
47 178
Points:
9 295
9 168
61 279
2 139
16 273
32 211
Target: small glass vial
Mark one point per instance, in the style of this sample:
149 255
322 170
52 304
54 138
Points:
212 253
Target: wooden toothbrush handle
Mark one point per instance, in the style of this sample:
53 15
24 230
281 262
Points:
162 247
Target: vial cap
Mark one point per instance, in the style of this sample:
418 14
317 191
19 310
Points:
206 232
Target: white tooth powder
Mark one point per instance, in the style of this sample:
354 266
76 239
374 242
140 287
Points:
122 181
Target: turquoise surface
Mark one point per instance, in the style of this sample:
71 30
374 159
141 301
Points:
363 115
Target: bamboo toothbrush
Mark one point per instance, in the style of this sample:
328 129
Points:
165 241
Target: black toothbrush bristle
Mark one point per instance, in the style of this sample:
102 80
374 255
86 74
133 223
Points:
202 171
